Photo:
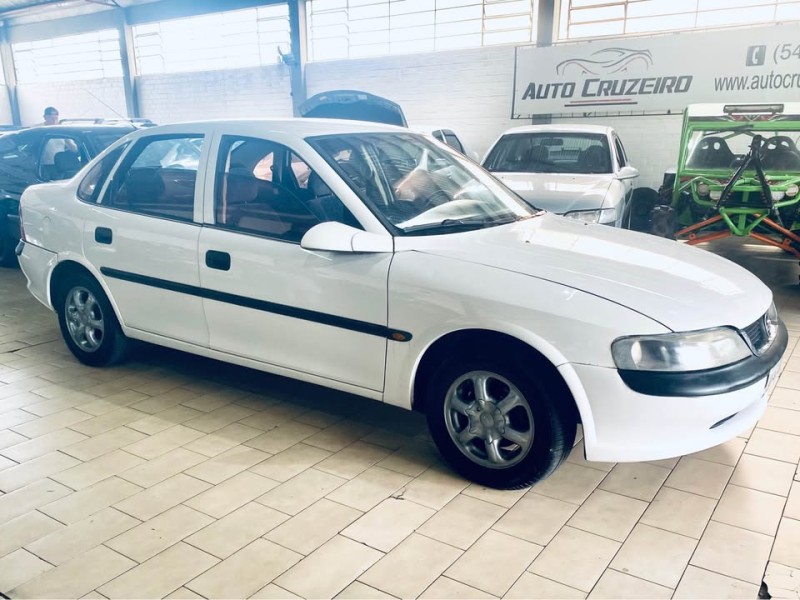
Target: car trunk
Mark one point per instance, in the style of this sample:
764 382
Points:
353 105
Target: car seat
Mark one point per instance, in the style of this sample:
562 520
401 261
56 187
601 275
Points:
711 153
66 164
780 153
594 159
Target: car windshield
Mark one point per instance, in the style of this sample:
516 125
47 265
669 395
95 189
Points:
550 152
725 148
419 187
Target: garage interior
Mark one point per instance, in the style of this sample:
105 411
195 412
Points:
176 476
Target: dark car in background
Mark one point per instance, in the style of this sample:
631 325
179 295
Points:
42 154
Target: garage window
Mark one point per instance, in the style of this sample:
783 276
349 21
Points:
69 58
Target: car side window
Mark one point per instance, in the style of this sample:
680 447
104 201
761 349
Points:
621 158
452 140
89 188
60 157
264 188
158 177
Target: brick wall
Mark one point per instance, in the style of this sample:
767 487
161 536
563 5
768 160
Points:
257 92
74 99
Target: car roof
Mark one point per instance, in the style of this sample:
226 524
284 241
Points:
560 127
87 128
300 127
717 109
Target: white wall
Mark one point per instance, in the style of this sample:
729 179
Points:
73 99
257 92
651 142
5 106
468 90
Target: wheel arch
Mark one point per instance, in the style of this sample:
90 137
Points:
495 343
67 267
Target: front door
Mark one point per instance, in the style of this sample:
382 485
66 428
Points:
268 299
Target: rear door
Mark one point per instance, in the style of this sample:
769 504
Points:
143 235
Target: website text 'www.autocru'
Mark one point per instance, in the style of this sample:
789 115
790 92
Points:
773 81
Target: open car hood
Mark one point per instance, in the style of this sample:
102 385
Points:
353 105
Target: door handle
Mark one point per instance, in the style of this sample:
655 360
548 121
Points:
218 260
103 235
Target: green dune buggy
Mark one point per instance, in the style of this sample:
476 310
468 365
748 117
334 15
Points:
738 174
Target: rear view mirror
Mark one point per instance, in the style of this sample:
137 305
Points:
628 172
338 237
552 141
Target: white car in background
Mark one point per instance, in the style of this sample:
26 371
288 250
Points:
371 259
579 171
446 135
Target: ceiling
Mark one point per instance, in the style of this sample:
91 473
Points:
58 8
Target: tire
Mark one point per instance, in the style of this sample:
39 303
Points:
642 202
531 437
8 258
88 323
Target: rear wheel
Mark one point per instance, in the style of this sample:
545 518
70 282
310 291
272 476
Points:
88 323
497 424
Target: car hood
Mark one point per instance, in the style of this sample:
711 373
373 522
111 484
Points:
681 287
354 105
559 192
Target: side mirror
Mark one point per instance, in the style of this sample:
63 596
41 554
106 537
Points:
628 172
338 237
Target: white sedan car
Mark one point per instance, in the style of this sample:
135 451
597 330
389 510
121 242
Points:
373 260
579 171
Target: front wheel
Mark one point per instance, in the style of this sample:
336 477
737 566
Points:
497 424
88 323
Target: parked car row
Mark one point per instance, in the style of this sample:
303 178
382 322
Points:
376 260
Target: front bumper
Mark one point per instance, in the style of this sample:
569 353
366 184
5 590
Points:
624 425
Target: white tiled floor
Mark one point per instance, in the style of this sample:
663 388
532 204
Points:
175 476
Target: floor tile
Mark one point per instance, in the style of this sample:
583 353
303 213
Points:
329 569
700 583
65 418
76 577
494 562
655 555
237 529
222 439
727 453
733 551
274 592
79 505
29 449
411 460
792 509
165 466
388 524
427 559
20 566
219 418
154 500
50 464
158 534
30 497
444 587
301 491
107 422
368 489
783 581
536 518
575 558
97 469
245 572
8 438
352 460
614 585
462 521
311 528
434 488
290 462
361 591
157 577
338 436
787 544
577 457
25 529
700 477
764 474
530 586
160 443
66 543
750 509
570 483
103 443
506 498
773 444
609 515
781 419
635 480
164 420
281 437
218 469
232 493
679 512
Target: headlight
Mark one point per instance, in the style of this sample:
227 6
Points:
776 195
716 194
703 189
792 190
603 215
693 351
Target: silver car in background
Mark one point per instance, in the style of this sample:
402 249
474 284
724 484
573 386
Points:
579 171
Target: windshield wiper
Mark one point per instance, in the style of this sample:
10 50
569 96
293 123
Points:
464 224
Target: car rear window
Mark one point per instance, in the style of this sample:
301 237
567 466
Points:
550 152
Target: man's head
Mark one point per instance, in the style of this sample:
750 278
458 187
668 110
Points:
50 115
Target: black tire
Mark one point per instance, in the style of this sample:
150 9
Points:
8 257
92 333
642 202
552 431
